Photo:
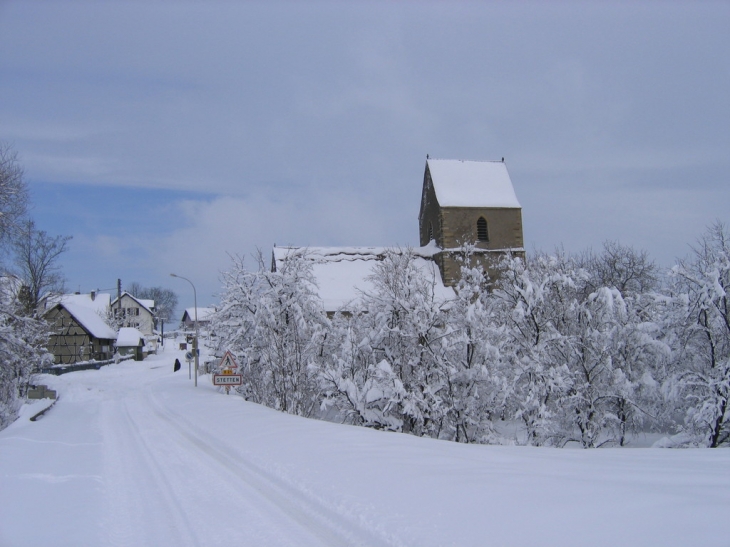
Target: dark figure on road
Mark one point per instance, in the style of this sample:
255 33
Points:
177 365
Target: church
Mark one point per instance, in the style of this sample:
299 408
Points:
461 202
469 202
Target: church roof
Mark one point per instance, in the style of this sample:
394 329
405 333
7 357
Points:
460 183
342 274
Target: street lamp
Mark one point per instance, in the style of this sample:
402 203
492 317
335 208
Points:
195 341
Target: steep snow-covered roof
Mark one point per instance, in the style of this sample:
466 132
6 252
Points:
89 319
459 183
129 337
144 303
99 303
203 313
341 273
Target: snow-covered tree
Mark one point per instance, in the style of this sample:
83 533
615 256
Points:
275 325
356 380
390 371
533 304
700 309
36 261
13 193
22 339
584 358
478 385
621 267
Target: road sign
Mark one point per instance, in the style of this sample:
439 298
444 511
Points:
228 362
227 379
189 356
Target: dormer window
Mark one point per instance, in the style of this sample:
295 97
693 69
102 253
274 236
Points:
482 231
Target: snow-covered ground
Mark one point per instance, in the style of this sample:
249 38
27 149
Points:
133 454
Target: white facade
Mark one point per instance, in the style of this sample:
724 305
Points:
134 313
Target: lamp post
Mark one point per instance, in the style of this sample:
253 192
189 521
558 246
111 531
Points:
195 340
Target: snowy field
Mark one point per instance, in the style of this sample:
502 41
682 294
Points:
134 455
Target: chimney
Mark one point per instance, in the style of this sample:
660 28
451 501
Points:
93 295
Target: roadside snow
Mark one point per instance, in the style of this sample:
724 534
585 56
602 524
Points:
133 454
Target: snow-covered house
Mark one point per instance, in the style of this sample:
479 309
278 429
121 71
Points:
131 341
343 274
469 202
135 312
78 329
204 316
78 333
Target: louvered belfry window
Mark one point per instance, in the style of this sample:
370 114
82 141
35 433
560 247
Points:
482 232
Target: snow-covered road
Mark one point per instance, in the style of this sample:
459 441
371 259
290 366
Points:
133 454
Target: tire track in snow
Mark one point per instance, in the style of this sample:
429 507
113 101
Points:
324 524
133 517
222 511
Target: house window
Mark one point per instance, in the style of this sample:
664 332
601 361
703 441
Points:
482 232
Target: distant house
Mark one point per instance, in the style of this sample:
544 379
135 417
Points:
134 312
204 317
78 333
131 341
342 274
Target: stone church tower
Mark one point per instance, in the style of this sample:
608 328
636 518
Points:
469 202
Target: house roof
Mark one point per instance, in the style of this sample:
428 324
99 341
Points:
129 337
460 183
90 320
144 303
100 302
203 313
342 273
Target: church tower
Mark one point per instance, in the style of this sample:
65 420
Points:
469 202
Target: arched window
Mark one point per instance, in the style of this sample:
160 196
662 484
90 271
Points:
482 232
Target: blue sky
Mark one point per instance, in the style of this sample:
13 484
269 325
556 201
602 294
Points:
167 136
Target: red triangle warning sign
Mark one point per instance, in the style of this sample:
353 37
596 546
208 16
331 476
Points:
228 361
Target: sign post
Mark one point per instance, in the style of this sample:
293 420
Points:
227 376
189 359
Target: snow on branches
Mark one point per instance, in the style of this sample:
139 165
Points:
559 349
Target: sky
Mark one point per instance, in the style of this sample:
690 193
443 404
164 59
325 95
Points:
167 137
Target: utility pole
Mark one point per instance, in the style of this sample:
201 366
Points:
119 301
